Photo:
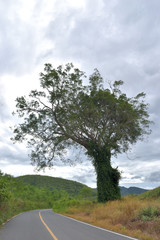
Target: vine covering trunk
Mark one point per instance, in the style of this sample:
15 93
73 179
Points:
107 176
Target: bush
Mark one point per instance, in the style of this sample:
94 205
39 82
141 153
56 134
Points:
149 213
86 192
4 192
63 205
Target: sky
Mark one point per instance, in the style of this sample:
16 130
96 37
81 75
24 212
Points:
121 38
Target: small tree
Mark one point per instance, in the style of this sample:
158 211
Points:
4 188
86 192
104 121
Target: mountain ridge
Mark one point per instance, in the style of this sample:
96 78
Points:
132 190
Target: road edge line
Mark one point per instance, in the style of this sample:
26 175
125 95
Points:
8 220
88 224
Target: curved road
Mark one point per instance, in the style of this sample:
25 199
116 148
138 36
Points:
47 225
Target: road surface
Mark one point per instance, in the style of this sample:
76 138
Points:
47 225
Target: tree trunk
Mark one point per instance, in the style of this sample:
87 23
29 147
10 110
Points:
107 177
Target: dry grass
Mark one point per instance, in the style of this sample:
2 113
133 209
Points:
121 216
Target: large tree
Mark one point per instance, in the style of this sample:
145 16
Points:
104 121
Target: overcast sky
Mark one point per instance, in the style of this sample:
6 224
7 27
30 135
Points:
119 37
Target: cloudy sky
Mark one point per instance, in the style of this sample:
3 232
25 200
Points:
119 37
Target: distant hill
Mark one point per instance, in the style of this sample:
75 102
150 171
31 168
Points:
52 183
132 190
152 194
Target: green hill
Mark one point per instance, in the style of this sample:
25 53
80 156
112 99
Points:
152 194
52 183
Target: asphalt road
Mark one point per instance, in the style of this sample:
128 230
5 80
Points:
46 225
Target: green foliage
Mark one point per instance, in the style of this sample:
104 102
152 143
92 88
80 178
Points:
107 183
151 212
152 194
86 192
104 122
64 204
4 191
16 197
107 177
71 187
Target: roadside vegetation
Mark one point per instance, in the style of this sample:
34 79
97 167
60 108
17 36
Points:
17 197
136 216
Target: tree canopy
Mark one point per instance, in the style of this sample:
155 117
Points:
66 112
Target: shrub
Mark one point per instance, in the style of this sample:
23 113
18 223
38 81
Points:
4 192
149 213
65 204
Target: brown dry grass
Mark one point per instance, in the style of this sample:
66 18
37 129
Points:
121 216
